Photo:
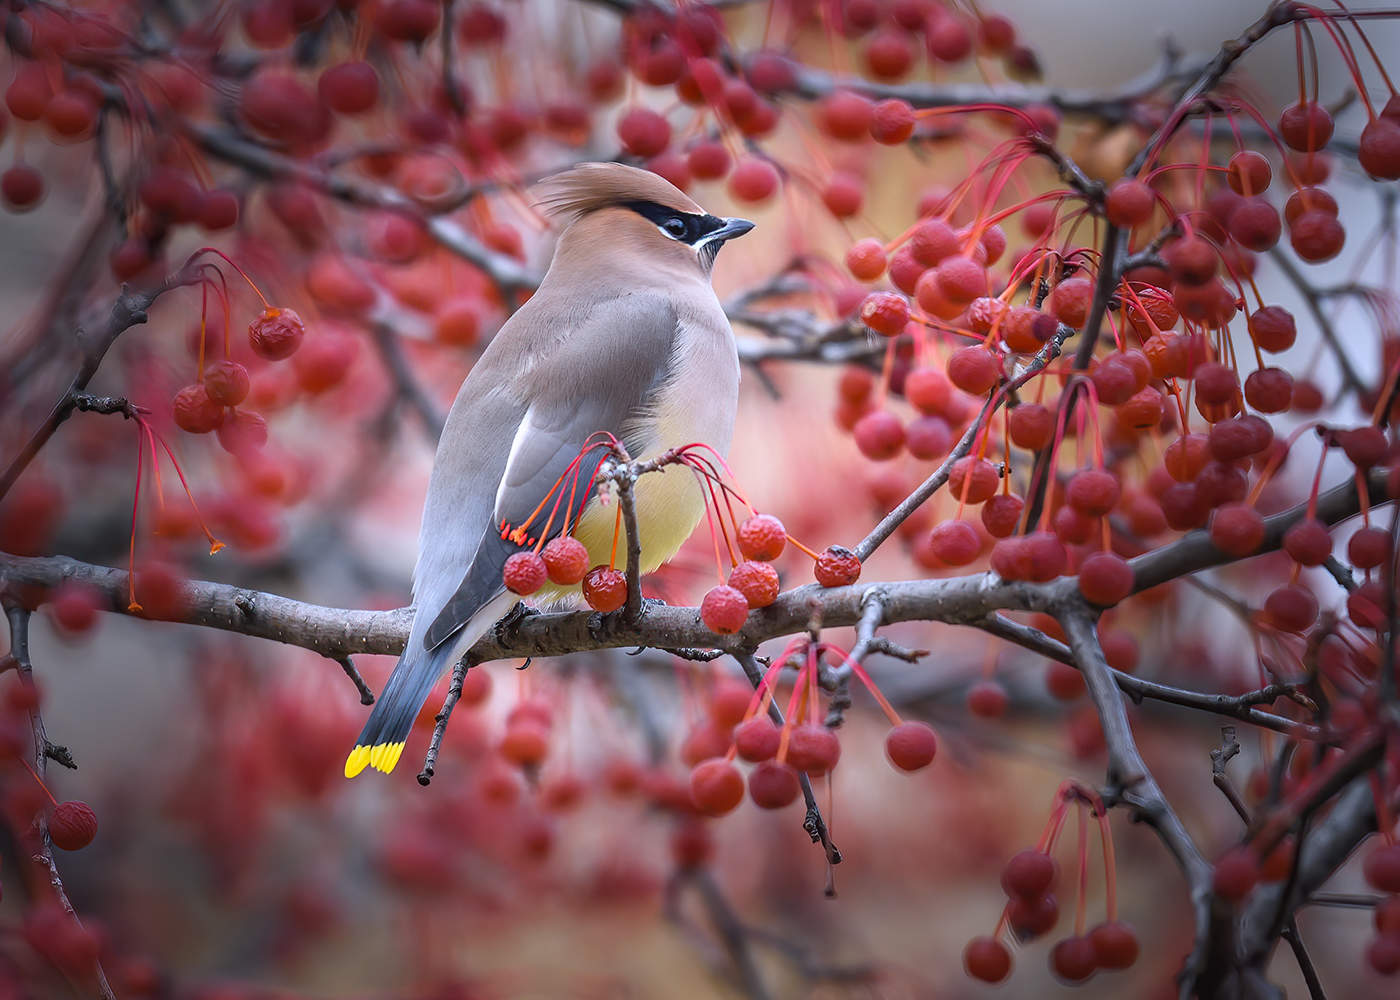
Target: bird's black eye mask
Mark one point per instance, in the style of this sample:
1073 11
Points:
684 227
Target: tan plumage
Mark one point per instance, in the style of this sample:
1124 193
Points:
591 186
623 335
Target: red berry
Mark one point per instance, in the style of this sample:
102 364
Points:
1316 237
757 739
866 259
73 825
928 390
837 567
1002 513
813 749
1382 868
1105 578
1368 547
1093 492
643 132
565 560
724 610
525 743
1248 172
349 88
974 370
21 186
757 581
1291 608
891 122
911 746
929 438
1237 529
753 180
987 700
954 543
1383 954
1115 945
716 786
948 38
29 92
226 383
1379 149
773 785
195 412
1273 329
1029 874
987 959
728 703
879 435
1255 225
1364 446
1308 542
605 588
1269 390
1305 127
1074 959
524 573
842 197
972 480
276 334
887 313
1069 301
708 739
1193 260
960 280
845 115
762 537
1031 426
1030 918
408 20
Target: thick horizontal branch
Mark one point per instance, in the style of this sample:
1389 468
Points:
966 600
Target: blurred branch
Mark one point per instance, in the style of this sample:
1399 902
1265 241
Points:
18 617
1114 106
127 311
1313 300
1241 706
1133 782
406 383
505 271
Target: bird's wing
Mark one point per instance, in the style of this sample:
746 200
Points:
600 375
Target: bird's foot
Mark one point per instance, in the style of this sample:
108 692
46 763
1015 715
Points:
507 628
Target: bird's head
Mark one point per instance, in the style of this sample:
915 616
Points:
616 208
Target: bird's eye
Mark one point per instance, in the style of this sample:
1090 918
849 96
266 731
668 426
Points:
674 227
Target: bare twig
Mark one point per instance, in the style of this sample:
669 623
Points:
127 311
409 388
18 617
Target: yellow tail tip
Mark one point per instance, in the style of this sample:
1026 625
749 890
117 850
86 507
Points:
357 760
382 757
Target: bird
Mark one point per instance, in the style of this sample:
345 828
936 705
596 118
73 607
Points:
624 335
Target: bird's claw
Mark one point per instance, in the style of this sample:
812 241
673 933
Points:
506 628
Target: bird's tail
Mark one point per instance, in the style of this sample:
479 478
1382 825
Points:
382 740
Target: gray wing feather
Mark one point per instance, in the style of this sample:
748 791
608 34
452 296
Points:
598 373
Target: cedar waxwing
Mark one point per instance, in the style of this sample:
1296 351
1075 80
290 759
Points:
624 335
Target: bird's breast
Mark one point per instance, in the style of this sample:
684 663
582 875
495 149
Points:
696 405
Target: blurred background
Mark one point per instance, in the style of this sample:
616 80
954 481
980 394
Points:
233 861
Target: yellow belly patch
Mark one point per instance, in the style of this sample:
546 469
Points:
669 506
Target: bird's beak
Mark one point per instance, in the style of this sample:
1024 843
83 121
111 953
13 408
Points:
731 229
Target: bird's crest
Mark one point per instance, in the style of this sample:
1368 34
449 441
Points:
588 187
